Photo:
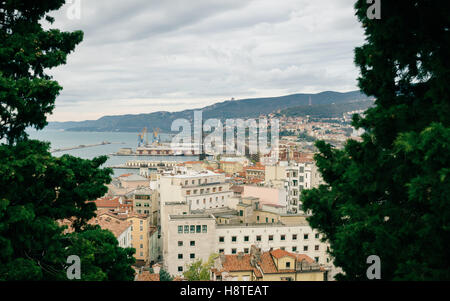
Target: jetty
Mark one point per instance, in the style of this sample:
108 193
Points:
64 149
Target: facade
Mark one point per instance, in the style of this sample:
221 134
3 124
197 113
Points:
192 237
294 177
140 231
189 239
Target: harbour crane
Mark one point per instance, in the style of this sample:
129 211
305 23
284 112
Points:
141 137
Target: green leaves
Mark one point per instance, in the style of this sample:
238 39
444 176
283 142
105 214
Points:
27 93
389 195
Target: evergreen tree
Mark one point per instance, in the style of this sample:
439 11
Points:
37 189
164 275
389 195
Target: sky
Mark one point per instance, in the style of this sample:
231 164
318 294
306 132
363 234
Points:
142 56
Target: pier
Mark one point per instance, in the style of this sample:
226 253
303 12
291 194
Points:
79 147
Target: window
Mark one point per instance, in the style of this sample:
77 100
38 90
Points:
141 254
188 192
192 243
317 235
180 229
283 237
294 249
246 250
305 236
283 248
270 237
221 239
241 212
141 246
180 269
180 243
273 220
233 251
294 236
316 247
257 218
204 229
180 256
305 248
288 265
233 238
192 229
267 220
258 237
186 229
221 251
192 255
199 229
142 237
246 238
316 259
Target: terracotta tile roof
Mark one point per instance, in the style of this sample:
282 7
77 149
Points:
301 257
146 276
106 222
278 253
232 263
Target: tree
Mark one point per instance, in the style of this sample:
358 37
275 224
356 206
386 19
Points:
199 271
37 189
389 195
164 275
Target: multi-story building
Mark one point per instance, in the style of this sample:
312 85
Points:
140 231
294 177
275 265
186 191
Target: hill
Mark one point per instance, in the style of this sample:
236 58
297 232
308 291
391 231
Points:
245 108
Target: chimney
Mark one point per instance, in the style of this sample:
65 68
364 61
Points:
156 268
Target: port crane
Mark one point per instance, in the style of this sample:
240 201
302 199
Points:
141 137
156 134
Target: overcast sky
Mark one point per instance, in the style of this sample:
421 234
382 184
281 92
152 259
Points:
141 56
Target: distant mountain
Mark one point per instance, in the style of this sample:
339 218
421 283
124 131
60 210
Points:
245 108
333 110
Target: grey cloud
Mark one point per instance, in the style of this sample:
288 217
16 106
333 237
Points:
143 56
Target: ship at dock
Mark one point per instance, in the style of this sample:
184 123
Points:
157 148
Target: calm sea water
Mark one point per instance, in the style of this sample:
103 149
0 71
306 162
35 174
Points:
63 139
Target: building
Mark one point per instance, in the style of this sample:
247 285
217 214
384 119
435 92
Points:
120 228
275 265
294 178
189 238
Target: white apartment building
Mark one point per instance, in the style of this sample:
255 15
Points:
294 177
189 237
186 190
193 237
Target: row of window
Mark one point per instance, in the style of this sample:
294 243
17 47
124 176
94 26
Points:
191 243
210 200
294 249
191 256
193 229
246 238
202 191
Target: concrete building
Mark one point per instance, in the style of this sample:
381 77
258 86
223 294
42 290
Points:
294 178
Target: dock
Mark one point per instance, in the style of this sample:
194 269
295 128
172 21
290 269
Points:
79 147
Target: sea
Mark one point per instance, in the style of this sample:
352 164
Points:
65 139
